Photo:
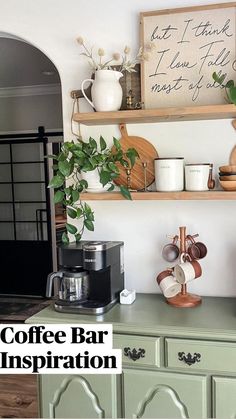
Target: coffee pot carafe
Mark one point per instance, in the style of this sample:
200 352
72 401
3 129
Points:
70 284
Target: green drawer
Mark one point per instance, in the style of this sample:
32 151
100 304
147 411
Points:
138 350
200 355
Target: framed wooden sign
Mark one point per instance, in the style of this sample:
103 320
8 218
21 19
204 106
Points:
189 44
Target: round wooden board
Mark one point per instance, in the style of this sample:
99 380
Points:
232 158
147 154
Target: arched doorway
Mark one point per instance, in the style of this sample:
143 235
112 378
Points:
30 127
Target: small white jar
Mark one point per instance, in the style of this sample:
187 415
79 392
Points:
197 176
169 174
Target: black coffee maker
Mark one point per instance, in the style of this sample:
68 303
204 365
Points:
90 278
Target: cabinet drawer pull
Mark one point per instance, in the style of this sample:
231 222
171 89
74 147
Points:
134 354
189 359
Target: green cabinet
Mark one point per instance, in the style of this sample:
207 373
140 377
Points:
149 394
79 396
176 363
224 397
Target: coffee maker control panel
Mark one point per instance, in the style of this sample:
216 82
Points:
95 246
94 256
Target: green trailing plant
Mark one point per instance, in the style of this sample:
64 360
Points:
229 86
77 157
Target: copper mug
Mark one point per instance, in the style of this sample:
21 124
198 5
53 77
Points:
196 250
187 270
170 251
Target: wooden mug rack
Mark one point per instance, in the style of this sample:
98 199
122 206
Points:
184 299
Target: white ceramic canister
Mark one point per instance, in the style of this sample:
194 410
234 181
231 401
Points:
197 176
169 174
106 90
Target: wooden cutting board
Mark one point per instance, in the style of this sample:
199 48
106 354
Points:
232 158
147 154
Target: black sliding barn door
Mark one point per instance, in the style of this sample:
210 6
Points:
25 218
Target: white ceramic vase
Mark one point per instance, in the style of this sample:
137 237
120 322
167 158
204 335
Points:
94 184
106 90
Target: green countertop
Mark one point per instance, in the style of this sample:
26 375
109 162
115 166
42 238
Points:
215 318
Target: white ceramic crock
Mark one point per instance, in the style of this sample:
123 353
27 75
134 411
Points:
197 176
169 174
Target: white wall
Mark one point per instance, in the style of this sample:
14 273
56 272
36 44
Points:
52 26
27 113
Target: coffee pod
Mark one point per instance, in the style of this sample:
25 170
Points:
187 271
168 284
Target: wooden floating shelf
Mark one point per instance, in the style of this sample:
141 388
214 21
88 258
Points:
152 196
157 115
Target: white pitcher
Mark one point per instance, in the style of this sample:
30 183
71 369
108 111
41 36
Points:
106 90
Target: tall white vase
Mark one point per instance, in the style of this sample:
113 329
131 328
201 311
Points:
106 90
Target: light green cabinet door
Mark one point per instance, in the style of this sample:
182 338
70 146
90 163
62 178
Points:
79 396
224 397
164 395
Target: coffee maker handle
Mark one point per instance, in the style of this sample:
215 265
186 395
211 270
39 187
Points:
50 281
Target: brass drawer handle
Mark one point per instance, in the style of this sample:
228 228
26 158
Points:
134 354
189 359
